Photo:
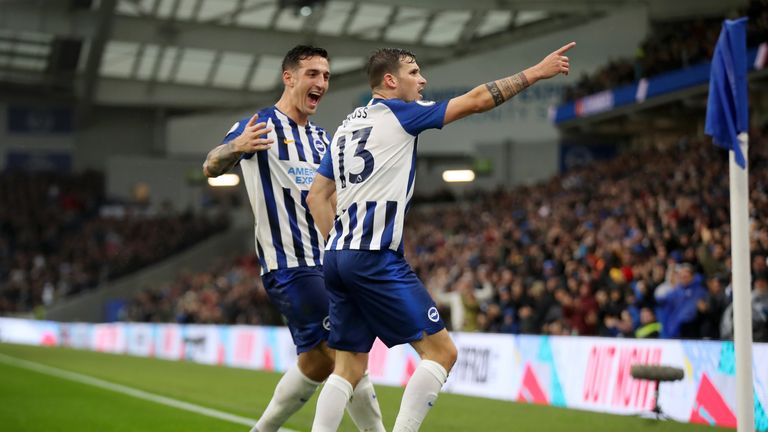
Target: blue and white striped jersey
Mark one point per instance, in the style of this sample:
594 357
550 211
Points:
373 161
278 182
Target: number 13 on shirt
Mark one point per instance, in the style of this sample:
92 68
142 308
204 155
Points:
361 136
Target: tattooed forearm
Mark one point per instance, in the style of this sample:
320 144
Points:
220 160
513 85
504 89
493 89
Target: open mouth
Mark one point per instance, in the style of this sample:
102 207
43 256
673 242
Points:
313 99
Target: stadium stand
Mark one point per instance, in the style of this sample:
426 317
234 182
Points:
231 292
598 251
61 236
670 46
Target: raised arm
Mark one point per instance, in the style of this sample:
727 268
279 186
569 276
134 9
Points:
222 158
492 94
322 203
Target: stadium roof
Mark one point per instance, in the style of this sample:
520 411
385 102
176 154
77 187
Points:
196 54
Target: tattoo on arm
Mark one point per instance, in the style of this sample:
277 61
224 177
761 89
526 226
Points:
504 89
498 99
221 159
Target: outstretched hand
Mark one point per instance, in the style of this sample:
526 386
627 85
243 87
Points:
251 139
555 63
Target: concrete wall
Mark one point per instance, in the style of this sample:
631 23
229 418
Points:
110 132
167 179
119 132
31 142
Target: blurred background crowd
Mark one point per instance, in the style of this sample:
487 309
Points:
60 236
670 46
635 247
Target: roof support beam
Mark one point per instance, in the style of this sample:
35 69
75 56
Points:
99 39
390 21
348 20
468 32
427 26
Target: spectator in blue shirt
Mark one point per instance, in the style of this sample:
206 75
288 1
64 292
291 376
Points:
677 308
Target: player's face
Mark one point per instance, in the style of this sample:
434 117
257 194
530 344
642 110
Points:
309 83
410 82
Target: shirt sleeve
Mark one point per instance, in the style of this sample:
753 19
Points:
418 116
235 131
326 165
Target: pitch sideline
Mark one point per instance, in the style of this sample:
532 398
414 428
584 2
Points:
140 394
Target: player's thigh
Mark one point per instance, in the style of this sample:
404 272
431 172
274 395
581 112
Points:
300 295
395 303
349 330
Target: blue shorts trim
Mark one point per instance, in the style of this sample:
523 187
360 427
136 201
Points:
376 294
299 294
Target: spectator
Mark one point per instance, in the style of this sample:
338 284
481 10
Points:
678 308
649 327
712 307
759 306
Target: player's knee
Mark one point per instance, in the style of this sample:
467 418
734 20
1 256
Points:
316 365
318 372
445 354
351 366
438 348
352 375
448 355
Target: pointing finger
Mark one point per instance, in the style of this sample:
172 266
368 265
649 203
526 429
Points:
565 48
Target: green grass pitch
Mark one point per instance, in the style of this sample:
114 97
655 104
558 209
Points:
33 401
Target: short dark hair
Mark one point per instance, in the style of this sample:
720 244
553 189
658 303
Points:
302 52
384 61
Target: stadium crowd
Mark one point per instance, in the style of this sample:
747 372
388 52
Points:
637 246
633 247
669 47
231 292
59 236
